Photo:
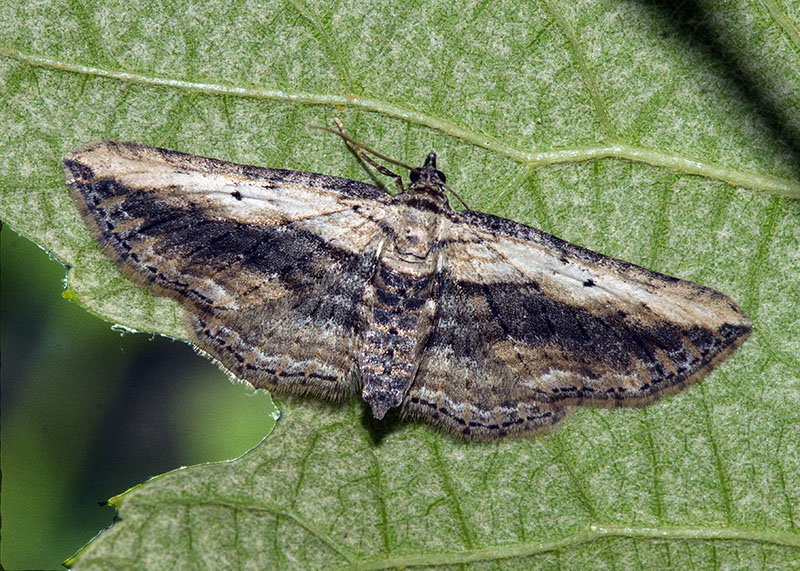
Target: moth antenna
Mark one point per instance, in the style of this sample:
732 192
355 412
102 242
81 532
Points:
357 148
344 135
461 200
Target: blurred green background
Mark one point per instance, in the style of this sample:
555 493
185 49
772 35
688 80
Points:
113 400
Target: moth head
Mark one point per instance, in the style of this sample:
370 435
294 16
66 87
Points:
428 173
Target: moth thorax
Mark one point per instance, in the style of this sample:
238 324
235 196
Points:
417 234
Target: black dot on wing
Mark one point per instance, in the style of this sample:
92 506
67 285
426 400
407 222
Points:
589 283
236 194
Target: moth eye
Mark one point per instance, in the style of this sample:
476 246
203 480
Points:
414 175
440 174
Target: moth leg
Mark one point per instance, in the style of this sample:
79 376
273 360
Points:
356 147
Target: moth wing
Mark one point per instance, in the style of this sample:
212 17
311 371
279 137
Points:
528 326
270 264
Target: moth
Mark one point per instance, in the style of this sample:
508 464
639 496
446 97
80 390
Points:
312 284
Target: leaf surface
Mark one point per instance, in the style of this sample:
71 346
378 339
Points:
667 138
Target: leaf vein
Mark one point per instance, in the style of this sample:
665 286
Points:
775 185
591 533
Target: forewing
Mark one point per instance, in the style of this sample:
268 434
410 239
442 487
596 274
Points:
528 326
270 264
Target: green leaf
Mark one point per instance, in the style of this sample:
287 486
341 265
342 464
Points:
668 138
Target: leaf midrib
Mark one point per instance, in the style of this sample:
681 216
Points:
677 162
